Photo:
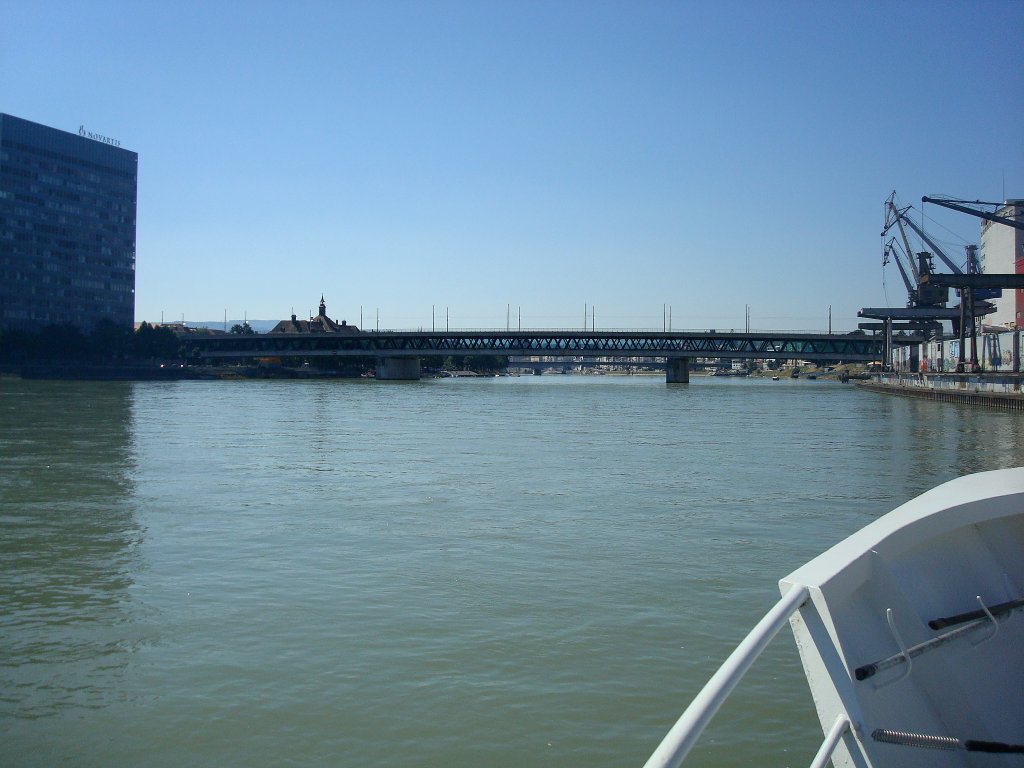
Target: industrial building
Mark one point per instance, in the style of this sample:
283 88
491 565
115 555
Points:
1002 252
67 227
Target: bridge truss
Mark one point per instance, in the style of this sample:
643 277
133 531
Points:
648 344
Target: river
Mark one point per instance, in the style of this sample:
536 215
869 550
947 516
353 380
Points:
533 571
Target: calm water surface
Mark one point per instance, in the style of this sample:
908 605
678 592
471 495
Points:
496 572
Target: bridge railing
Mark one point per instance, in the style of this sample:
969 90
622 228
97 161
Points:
620 331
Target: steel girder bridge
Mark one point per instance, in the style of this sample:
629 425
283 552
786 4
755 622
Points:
397 353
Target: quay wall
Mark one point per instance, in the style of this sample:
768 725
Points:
991 390
998 350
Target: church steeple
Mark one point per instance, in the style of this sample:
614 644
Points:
323 306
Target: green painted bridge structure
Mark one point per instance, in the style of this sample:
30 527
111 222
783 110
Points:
398 353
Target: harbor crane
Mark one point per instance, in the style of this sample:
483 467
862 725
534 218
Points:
919 292
962 206
975 285
928 291
985 288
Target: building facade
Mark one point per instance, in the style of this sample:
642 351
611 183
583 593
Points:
319 324
67 227
1002 252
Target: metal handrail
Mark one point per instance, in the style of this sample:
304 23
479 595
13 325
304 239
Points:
688 728
828 746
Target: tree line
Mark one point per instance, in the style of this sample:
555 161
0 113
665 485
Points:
114 344
107 342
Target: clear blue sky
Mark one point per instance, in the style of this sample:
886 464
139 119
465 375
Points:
473 155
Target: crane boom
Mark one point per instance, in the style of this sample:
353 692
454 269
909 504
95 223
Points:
891 247
938 251
957 205
895 215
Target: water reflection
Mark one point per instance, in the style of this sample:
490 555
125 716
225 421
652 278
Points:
69 543
929 443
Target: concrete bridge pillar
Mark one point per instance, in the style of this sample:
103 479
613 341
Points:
398 368
677 370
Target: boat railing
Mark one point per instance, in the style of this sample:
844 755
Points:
684 734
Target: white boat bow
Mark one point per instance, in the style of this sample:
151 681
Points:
910 635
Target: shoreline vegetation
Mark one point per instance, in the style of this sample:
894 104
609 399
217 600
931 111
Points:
178 371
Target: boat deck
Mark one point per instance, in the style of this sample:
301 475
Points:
952 551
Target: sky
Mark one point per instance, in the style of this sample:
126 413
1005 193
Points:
481 164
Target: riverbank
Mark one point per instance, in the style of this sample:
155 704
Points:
175 371
166 372
990 390
86 372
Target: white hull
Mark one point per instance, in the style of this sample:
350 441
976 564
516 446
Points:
860 610
933 557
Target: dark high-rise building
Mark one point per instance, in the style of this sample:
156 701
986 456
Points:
67 227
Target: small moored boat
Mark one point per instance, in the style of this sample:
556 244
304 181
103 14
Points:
910 632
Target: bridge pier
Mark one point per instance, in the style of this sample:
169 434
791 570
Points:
677 370
398 369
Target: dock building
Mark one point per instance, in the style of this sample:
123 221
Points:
1002 252
67 227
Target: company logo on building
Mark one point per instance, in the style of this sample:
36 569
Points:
97 137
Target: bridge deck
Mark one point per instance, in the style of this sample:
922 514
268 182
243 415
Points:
646 344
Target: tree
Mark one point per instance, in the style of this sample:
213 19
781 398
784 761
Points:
110 340
244 328
159 343
62 342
